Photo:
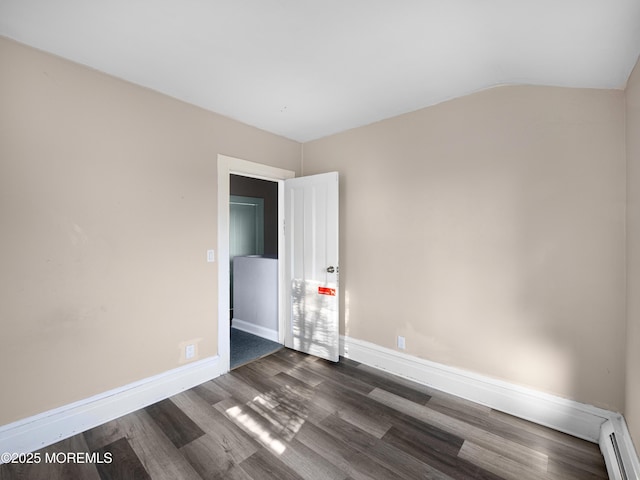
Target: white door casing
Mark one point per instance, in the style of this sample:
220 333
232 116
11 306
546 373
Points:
226 167
311 264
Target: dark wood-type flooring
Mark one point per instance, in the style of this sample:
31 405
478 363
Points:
293 416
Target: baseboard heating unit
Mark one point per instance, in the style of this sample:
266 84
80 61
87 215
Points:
618 451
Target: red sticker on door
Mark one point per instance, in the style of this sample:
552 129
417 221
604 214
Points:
327 291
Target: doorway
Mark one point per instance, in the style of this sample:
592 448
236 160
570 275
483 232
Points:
308 298
228 166
253 268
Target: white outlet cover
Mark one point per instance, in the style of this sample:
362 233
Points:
401 344
210 256
190 351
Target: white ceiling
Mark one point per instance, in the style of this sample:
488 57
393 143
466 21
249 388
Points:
305 69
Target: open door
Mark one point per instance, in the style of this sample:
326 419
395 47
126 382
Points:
311 264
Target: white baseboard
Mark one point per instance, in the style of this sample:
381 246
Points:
577 419
44 429
258 330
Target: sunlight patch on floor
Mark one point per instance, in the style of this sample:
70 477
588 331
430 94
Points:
256 430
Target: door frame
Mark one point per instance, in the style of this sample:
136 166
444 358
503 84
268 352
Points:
228 166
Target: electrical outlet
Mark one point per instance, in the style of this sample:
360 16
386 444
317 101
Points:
401 344
189 351
211 256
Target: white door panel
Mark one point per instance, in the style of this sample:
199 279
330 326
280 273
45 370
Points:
311 264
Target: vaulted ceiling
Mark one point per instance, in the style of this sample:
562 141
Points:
305 69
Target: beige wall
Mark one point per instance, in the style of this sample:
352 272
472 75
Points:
107 208
632 412
489 231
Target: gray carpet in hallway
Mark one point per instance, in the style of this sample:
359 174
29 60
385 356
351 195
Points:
246 347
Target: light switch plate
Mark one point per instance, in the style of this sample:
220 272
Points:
210 256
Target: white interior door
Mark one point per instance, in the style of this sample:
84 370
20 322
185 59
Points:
311 264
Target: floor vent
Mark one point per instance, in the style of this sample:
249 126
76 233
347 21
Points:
618 451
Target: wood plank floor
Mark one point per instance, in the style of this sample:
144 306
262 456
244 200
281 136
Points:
292 416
